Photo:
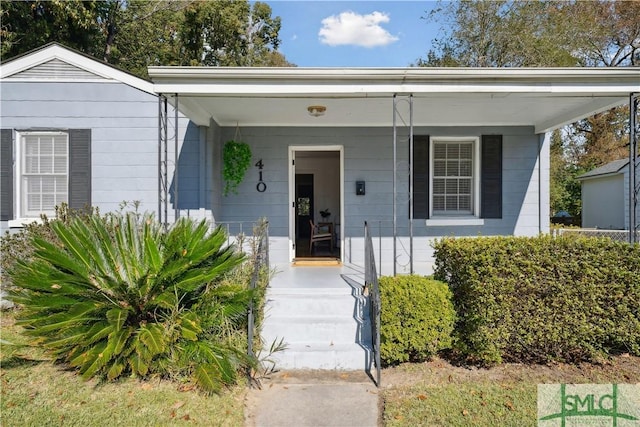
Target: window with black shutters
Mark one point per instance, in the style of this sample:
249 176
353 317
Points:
457 177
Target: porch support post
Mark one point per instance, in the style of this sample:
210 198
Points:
634 189
411 184
176 213
163 188
395 225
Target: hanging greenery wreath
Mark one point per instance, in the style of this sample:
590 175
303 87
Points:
236 158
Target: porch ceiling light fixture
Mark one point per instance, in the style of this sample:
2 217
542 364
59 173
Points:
316 110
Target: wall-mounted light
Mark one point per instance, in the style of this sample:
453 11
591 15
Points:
316 110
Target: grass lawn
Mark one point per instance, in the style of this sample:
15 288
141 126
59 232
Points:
439 394
34 392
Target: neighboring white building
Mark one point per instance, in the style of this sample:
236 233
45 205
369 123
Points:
605 196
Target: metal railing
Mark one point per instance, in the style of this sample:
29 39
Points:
616 235
260 255
257 248
372 291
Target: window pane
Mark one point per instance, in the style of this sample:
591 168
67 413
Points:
438 203
465 168
33 202
453 151
466 151
438 186
452 186
48 184
48 202
464 186
32 184
440 151
452 168
439 168
452 203
465 203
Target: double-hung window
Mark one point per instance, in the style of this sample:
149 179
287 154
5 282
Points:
43 172
454 181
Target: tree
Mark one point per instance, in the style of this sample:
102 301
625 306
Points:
229 33
27 25
135 34
549 34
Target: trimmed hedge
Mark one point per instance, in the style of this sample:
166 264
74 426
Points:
542 299
417 318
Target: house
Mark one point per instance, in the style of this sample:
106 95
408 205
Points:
606 195
418 153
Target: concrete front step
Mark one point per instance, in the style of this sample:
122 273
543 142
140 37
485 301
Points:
311 329
322 356
323 328
282 305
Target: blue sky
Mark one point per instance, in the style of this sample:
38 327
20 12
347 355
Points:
354 33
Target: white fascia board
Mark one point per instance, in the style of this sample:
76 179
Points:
91 65
365 90
397 74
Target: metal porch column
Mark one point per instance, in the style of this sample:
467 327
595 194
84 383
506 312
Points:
163 159
634 167
397 100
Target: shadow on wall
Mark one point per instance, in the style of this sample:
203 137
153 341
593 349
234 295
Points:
189 180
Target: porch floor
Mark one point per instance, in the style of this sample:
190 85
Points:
289 276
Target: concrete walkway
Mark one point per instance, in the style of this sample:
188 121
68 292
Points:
314 398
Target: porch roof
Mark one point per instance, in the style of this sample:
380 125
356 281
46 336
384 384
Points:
545 98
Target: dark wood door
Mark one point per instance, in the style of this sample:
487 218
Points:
304 205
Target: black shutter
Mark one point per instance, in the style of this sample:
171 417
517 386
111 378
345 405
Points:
491 177
421 176
6 174
79 168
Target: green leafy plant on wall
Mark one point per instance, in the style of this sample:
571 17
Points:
236 157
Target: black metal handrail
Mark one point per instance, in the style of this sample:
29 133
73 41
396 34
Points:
372 291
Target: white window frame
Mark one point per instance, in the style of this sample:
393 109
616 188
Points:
457 219
20 209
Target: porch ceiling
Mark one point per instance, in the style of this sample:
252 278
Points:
543 98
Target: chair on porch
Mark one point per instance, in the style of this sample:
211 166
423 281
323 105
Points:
318 235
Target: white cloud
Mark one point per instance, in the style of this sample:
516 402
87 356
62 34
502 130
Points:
350 28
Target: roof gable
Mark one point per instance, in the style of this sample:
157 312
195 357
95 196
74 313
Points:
55 69
54 62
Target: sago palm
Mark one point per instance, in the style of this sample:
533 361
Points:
119 295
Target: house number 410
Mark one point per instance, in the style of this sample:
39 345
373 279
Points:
261 186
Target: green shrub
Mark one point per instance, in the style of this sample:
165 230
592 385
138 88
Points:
542 299
118 295
417 318
17 246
